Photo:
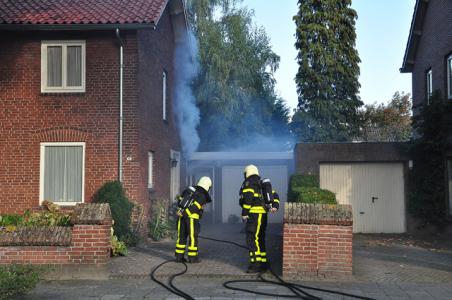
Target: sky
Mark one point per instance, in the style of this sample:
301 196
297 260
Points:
382 32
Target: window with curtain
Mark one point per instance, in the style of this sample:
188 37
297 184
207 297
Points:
429 85
62 172
164 102
62 66
449 77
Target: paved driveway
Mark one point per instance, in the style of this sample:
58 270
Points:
374 259
381 270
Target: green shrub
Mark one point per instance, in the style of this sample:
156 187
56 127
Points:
313 195
299 180
18 280
121 209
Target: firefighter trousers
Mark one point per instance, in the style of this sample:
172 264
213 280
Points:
256 227
187 230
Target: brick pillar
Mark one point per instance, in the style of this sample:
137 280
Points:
317 241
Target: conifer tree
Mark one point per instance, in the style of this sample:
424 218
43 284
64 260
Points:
327 78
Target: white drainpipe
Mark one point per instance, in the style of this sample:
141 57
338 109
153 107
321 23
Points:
121 117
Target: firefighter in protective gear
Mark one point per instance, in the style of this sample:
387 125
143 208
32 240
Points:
188 226
254 213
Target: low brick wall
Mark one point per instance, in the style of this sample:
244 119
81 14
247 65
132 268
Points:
82 244
317 241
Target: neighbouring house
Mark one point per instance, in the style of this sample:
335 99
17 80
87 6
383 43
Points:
428 57
72 116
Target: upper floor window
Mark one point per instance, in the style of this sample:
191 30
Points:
449 77
164 100
429 85
62 66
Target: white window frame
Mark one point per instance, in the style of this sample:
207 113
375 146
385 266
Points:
164 98
429 84
449 75
42 168
64 88
151 159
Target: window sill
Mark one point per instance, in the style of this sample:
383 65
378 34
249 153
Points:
65 204
62 94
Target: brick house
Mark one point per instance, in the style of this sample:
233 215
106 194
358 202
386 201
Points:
428 57
72 117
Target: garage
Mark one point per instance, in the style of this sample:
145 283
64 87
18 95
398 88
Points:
226 171
368 175
232 180
376 192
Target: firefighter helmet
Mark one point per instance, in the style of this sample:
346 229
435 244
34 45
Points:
205 183
250 170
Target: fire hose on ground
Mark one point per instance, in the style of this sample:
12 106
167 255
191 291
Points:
298 290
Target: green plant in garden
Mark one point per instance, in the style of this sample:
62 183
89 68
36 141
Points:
118 247
314 195
305 188
427 191
160 225
18 280
47 218
121 208
299 180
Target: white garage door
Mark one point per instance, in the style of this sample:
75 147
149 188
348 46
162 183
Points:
375 191
232 178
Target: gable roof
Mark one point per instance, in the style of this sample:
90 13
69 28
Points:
54 14
417 24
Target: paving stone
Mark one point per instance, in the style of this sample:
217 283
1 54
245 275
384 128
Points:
112 297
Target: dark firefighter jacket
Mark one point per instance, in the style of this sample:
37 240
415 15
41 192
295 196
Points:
251 199
195 210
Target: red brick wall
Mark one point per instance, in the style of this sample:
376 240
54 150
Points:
317 250
90 245
28 118
155 134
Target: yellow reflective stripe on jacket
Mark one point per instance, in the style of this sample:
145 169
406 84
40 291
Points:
191 215
246 206
257 195
257 210
197 204
248 190
276 200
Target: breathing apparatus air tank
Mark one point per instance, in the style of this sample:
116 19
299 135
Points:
187 198
267 192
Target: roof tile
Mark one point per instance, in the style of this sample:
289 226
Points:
56 12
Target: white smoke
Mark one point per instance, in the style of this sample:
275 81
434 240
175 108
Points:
186 111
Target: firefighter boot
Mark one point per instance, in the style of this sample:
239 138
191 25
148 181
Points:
193 259
180 258
264 266
254 268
